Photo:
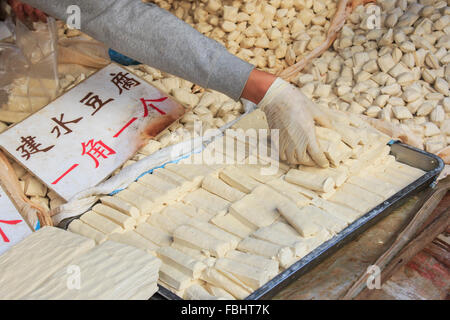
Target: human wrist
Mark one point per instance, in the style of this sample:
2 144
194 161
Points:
257 85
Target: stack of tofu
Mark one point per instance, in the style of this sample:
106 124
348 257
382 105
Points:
224 228
56 264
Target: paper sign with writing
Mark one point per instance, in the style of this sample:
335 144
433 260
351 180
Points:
12 226
80 138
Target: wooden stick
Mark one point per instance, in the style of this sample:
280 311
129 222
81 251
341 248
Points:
403 238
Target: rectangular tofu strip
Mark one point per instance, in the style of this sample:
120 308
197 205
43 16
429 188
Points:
198 292
372 184
121 205
191 172
252 212
371 198
29 263
314 181
292 190
157 198
177 216
260 173
271 266
237 179
344 213
202 199
174 277
110 271
85 230
266 249
162 222
221 189
115 216
350 201
193 253
197 239
219 292
232 225
282 239
214 277
154 235
134 239
320 217
182 183
339 176
144 205
187 209
215 232
181 261
251 276
100 223
299 219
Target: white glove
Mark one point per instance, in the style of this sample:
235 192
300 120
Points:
290 111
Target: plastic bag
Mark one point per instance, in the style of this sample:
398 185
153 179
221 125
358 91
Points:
85 52
29 70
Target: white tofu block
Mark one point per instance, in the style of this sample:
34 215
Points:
221 189
214 277
155 235
121 205
284 187
197 292
186 209
181 261
215 232
219 292
298 219
372 184
157 199
282 239
115 216
28 264
251 211
251 276
344 213
177 216
174 277
232 225
100 223
260 173
369 197
193 253
79 227
182 183
339 176
320 217
144 205
314 181
237 179
110 271
271 266
134 239
266 249
202 199
199 240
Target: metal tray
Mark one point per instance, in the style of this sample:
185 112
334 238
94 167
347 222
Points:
428 162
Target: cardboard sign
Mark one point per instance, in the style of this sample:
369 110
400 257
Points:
80 138
12 226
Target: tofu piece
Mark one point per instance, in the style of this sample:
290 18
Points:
260 173
110 271
193 253
29 263
320 217
144 205
266 249
271 266
237 179
157 199
155 235
221 189
312 180
121 205
349 200
252 212
182 183
100 223
282 239
174 277
215 232
177 216
163 222
415 173
374 185
181 261
196 239
232 225
216 278
219 292
79 227
339 176
198 292
191 172
115 216
298 219
369 197
207 201
160 185
344 213
134 239
282 186
251 276
187 209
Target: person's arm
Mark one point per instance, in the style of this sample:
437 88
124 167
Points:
154 36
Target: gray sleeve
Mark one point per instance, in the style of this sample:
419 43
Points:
154 36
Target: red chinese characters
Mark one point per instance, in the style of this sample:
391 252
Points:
148 103
10 222
96 150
